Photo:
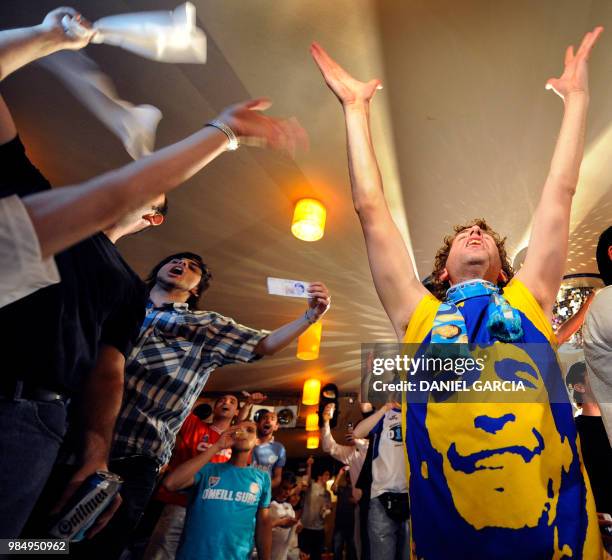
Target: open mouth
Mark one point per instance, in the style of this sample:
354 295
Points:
474 243
176 270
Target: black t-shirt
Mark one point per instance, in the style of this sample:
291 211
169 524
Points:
597 455
51 337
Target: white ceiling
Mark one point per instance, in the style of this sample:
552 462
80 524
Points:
463 128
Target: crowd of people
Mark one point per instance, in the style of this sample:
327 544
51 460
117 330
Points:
121 365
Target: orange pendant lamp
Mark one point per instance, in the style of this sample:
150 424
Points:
312 422
312 442
311 392
308 220
309 342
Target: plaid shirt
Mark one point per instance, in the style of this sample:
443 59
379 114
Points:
176 352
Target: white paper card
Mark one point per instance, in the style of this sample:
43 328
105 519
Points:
162 36
288 288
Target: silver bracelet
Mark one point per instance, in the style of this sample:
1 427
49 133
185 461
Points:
232 139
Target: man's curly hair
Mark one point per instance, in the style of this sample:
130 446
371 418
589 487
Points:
437 287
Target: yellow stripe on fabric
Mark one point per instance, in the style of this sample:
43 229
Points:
519 297
422 320
420 324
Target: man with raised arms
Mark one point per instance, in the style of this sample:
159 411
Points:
486 479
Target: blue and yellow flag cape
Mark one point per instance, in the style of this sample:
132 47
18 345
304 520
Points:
498 480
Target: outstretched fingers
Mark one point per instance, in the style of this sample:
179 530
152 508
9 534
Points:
588 42
327 65
595 34
569 55
320 55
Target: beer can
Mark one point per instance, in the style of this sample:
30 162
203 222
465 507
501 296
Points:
86 505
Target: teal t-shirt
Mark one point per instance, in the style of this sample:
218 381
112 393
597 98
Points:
222 512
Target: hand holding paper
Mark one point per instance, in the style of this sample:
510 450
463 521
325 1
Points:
288 288
54 23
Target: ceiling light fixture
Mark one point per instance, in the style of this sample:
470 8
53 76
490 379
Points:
311 393
312 422
309 342
308 220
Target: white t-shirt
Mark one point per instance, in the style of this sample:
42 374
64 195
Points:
316 499
597 337
388 456
351 455
281 536
23 270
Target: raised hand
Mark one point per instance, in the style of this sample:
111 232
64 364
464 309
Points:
575 74
227 438
328 412
319 299
53 24
347 89
254 398
255 129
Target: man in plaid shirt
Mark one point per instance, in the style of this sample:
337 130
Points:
177 350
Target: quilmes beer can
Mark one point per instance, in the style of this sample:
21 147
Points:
86 505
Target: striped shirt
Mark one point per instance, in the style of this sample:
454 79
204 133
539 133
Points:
176 352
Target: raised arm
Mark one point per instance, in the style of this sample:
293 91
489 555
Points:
308 473
318 304
395 279
328 443
251 399
569 327
64 216
363 429
184 475
547 253
339 478
19 47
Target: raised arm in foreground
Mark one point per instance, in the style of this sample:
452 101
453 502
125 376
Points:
395 279
62 217
545 261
